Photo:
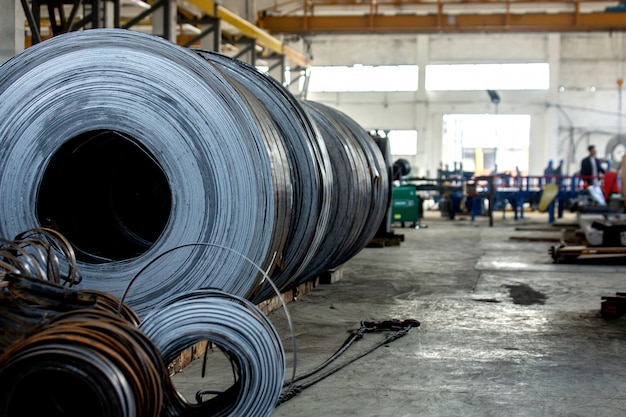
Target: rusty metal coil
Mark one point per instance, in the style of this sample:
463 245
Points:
237 327
27 303
130 145
85 362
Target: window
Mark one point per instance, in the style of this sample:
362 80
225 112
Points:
533 76
364 78
482 141
403 142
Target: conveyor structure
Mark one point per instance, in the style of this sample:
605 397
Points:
460 192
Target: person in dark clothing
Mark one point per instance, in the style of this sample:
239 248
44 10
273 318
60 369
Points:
558 173
590 168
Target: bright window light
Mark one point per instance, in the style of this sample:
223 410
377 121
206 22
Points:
364 78
482 140
531 76
403 142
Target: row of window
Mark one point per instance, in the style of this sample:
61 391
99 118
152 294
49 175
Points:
457 77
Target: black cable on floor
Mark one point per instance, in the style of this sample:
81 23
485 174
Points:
399 329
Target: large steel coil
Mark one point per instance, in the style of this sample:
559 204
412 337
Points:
359 187
243 333
311 173
130 145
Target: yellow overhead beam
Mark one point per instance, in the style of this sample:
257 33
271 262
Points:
415 16
449 23
213 9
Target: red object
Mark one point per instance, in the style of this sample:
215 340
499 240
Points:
610 185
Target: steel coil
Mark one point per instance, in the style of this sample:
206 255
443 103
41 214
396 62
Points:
360 186
241 330
385 148
309 163
130 145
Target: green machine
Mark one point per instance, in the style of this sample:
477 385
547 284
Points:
405 205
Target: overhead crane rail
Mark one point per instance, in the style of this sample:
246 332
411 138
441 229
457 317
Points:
453 16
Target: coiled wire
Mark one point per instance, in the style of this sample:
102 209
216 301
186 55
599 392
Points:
35 253
242 331
83 362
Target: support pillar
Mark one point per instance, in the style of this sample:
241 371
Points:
11 30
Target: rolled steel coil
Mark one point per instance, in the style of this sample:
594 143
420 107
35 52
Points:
309 163
130 145
85 362
360 185
241 330
385 148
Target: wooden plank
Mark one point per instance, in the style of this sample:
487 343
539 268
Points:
535 238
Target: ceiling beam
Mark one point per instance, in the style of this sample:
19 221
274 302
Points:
446 23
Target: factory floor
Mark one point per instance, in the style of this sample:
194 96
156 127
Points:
504 330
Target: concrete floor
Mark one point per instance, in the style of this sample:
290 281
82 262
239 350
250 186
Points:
504 330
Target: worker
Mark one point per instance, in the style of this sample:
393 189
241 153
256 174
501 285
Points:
558 173
590 168
518 177
548 173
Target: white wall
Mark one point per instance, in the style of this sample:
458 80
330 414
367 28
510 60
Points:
578 62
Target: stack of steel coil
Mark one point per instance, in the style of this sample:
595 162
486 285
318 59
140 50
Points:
130 146
86 353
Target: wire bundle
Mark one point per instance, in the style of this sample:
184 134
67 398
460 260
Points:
241 330
35 253
33 288
83 362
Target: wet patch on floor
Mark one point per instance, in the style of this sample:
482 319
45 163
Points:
523 294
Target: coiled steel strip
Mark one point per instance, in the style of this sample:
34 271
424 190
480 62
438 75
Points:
85 362
242 331
375 196
359 193
385 148
309 163
173 115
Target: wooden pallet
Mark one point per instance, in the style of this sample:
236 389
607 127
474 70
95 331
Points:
571 253
391 239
